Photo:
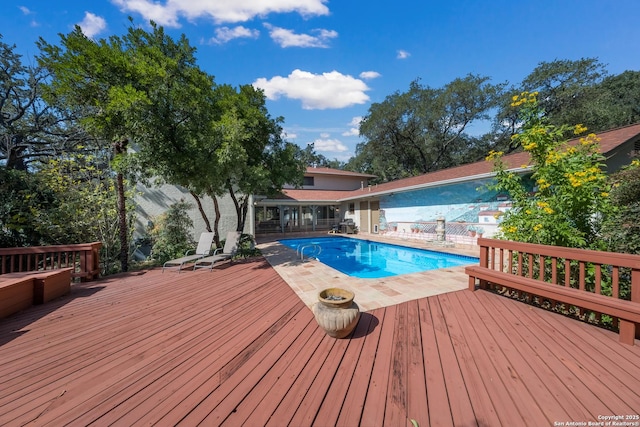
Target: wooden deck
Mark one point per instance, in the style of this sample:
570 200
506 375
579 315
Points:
237 347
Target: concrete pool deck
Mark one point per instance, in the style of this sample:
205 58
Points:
307 278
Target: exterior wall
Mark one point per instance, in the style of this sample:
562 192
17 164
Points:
620 157
334 182
154 201
466 203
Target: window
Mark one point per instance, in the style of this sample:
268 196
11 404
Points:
308 180
352 208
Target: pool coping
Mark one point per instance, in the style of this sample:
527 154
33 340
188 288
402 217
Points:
307 278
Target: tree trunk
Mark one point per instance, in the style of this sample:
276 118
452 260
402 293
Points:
216 221
202 212
122 224
237 206
120 148
245 201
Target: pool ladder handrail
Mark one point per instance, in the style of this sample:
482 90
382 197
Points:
302 247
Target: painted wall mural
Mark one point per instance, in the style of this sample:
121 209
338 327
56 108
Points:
467 202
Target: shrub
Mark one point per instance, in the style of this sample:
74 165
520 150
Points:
621 230
170 234
247 247
565 198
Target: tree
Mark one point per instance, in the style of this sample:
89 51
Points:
100 79
568 90
67 200
564 200
622 100
573 92
171 233
176 140
621 230
253 157
423 129
311 158
30 128
144 91
22 197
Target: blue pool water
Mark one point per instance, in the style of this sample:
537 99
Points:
371 260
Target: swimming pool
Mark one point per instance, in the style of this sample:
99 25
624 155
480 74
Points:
373 260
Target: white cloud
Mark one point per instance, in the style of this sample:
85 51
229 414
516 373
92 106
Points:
288 135
225 34
368 75
356 121
287 38
92 24
403 54
26 11
167 15
329 145
169 12
316 91
354 130
351 132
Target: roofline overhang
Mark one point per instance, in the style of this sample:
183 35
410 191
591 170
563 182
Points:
492 174
364 194
277 202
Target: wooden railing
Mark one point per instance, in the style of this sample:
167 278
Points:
596 282
84 259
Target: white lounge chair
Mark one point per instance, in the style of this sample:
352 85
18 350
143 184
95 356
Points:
203 249
220 254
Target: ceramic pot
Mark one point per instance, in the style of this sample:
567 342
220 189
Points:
336 312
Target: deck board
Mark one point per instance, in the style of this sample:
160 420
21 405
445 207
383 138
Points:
235 346
561 383
471 365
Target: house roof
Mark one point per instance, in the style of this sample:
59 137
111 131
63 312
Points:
338 172
609 141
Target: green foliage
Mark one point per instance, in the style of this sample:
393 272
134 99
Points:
31 129
571 193
621 230
171 233
572 92
621 99
567 90
310 157
422 130
66 201
22 198
141 87
247 247
252 157
87 206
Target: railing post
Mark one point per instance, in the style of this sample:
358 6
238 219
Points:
635 297
83 265
484 256
484 262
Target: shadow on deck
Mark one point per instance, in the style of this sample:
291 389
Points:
237 347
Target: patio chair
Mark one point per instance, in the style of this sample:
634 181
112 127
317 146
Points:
220 254
203 249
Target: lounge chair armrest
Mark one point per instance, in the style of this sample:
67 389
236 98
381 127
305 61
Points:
187 252
217 250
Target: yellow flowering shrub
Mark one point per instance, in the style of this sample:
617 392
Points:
560 202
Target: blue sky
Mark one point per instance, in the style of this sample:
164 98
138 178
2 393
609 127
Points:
322 63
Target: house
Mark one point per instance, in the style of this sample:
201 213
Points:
317 206
458 194
330 197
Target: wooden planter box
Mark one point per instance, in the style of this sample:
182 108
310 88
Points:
20 290
52 284
16 293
